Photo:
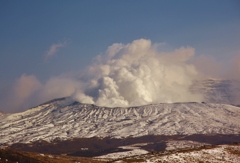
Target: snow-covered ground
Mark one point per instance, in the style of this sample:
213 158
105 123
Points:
196 152
180 144
132 151
135 149
66 119
220 154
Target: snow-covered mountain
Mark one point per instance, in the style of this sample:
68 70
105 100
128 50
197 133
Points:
218 91
65 119
123 132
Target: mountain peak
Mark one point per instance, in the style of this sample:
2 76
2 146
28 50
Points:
63 119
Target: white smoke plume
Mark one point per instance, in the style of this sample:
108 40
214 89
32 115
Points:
137 74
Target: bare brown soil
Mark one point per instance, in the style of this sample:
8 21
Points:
13 156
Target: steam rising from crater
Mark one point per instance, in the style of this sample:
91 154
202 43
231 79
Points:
137 74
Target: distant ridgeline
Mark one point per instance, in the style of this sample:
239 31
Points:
218 91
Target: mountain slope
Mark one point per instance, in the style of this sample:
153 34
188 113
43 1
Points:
65 119
218 91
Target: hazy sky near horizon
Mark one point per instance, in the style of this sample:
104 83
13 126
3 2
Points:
49 38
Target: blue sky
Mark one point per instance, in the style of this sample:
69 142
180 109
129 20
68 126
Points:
29 28
84 29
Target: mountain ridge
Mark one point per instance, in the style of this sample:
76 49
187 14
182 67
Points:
66 119
65 126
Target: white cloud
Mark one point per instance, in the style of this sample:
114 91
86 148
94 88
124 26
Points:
19 96
54 48
28 92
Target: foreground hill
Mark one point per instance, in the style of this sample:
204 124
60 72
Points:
64 119
205 154
13 156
